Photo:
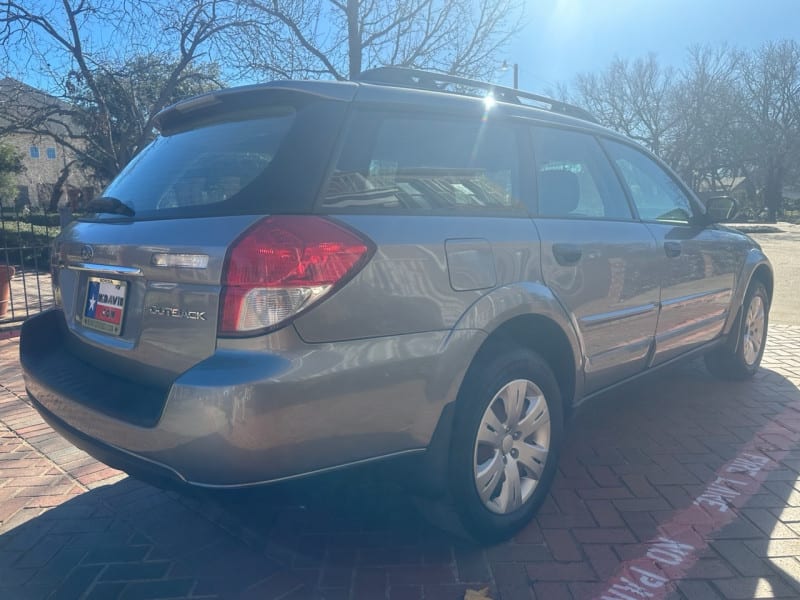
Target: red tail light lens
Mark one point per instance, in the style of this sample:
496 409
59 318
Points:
282 265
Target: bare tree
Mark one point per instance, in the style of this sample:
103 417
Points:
88 52
631 97
706 141
342 38
725 113
769 104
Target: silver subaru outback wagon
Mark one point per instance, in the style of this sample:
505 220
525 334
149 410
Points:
300 276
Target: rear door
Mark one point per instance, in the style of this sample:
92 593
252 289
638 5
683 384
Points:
697 264
139 284
596 257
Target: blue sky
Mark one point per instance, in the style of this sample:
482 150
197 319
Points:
565 37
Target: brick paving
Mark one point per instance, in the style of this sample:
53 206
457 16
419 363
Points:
622 520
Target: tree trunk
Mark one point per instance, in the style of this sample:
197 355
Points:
773 193
750 188
56 193
353 39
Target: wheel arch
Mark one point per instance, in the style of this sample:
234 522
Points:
542 335
529 315
526 315
763 273
756 268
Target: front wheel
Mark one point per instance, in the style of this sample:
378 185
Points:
507 432
743 360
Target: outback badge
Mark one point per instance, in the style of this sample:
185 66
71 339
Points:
173 311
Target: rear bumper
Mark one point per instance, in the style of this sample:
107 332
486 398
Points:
246 417
119 459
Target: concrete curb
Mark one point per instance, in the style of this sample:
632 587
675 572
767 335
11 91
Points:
755 228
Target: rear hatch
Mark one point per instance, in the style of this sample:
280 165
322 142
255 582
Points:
140 280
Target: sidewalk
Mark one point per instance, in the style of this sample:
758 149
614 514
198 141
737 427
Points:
676 487
779 227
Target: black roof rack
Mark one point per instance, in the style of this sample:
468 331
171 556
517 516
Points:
429 80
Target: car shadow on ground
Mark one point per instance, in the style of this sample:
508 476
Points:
126 540
634 463
129 539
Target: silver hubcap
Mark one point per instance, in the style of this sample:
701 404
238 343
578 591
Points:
512 446
753 336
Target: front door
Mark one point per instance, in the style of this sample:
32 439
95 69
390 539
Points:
596 257
697 264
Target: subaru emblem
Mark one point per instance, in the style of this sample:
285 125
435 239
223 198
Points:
87 252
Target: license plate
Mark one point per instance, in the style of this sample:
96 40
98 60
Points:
105 305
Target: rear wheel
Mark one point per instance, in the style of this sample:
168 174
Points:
743 360
506 435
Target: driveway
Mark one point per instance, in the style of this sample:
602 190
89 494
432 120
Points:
678 487
783 249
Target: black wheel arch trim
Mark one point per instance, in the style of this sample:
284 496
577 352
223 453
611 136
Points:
755 264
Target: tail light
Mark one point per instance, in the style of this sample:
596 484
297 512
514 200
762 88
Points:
281 266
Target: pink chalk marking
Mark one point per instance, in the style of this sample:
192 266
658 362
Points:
674 550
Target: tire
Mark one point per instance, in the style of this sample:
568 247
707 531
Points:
506 505
742 361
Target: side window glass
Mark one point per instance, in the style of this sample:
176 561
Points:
655 193
574 178
420 164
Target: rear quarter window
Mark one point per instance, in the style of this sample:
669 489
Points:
426 164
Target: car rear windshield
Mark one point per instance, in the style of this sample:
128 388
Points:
255 165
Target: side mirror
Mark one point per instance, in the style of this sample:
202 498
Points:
721 209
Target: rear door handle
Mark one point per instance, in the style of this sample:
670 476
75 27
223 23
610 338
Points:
567 254
672 249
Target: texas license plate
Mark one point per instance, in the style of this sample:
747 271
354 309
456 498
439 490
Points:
105 305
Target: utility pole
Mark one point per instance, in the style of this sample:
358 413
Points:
505 67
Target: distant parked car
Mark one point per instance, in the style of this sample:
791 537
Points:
300 276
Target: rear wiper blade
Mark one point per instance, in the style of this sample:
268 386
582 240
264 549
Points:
110 205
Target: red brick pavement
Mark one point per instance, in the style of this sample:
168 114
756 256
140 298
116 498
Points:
621 521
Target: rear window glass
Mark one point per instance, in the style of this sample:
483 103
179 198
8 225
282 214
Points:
408 164
202 168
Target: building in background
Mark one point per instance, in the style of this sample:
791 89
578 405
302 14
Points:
738 188
36 125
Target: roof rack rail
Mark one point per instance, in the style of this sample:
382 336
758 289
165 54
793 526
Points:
429 80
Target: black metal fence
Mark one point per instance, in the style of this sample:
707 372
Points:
25 240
